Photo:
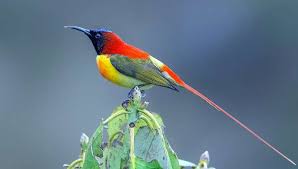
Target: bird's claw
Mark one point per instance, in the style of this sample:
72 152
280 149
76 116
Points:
135 96
136 93
133 92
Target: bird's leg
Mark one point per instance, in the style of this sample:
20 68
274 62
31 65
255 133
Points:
135 96
131 93
134 92
142 91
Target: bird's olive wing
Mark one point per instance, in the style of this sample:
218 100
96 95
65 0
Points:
140 69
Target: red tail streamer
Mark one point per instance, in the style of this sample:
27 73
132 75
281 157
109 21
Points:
194 91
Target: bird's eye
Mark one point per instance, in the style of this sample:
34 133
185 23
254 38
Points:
97 36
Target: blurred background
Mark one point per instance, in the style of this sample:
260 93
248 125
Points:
242 54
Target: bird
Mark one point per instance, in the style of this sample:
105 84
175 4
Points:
128 66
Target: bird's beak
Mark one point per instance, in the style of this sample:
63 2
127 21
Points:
85 31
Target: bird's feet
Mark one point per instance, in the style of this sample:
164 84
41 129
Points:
135 96
136 93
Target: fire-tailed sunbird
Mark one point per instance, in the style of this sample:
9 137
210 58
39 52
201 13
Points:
128 66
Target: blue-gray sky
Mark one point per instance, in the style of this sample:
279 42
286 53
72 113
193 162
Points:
242 54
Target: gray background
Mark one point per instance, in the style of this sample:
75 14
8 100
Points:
242 54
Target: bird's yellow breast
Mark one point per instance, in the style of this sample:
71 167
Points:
108 71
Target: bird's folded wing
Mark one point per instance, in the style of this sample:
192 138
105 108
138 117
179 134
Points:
141 69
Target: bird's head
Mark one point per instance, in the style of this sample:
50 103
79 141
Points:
103 40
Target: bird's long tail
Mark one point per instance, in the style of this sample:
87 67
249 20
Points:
194 91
